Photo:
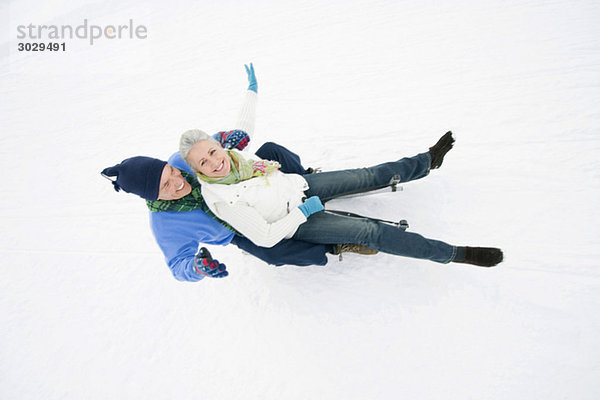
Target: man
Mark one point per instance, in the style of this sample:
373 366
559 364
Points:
180 220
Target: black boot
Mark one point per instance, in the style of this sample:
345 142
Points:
481 256
439 150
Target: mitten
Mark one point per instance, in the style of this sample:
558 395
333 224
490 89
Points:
251 78
311 205
232 139
205 265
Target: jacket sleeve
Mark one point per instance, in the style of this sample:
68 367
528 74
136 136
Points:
182 265
247 114
252 225
180 253
179 234
179 246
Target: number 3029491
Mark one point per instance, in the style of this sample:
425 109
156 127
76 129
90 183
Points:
42 46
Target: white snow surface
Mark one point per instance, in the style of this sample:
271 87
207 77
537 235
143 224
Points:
89 309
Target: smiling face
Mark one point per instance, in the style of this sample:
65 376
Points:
173 185
210 159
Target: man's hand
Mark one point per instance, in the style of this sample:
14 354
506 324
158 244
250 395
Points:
205 265
232 139
251 78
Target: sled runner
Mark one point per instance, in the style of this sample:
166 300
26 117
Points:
392 186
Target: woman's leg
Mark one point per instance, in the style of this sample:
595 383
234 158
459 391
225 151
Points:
328 185
323 227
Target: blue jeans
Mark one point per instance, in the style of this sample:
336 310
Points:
286 252
323 227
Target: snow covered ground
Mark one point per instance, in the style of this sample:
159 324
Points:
89 310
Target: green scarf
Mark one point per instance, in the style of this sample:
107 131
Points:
190 202
242 169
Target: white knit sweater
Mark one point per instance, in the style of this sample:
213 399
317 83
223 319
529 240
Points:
247 114
265 210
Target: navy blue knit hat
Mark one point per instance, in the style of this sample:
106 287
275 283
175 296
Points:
138 175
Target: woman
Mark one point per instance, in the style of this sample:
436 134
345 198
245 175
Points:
267 205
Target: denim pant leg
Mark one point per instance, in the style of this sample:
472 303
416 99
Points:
323 227
286 252
290 162
328 185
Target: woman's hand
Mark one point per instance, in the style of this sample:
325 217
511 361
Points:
311 205
251 78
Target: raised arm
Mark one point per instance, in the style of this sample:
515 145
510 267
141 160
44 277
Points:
239 137
247 114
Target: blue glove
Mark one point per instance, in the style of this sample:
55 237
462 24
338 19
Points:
232 139
251 78
311 205
205 265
